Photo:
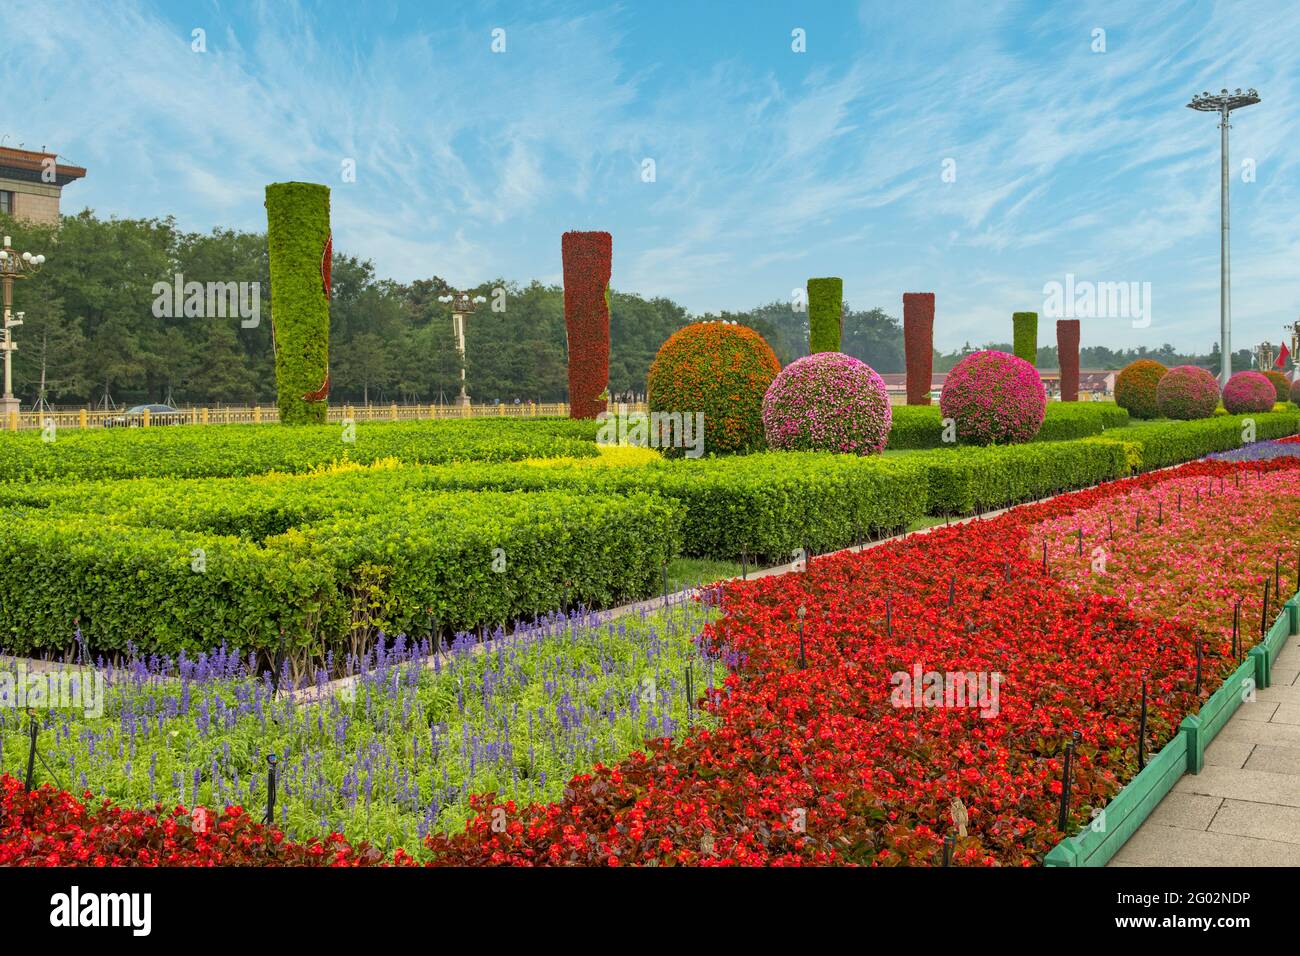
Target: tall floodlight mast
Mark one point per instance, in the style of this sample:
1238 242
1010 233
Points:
1224 103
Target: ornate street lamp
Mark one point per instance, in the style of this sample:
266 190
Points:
13 265
1224 103
462 304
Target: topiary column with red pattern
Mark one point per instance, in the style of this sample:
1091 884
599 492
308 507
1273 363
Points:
587 260
1067 352
918 345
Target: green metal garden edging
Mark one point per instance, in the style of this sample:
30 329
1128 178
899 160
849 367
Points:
1110 829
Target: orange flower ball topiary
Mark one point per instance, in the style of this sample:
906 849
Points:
718 370
1135 388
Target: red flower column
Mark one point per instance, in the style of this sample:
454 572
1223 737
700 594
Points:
918 344
1067 352
587 257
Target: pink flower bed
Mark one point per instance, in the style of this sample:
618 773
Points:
995 398
827 402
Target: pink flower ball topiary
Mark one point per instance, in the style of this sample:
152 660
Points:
1249 392
995 398
1186 392
1295 391
827 401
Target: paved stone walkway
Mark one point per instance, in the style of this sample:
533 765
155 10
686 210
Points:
1243 808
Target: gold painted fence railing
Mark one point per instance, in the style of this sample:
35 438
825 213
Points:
264 414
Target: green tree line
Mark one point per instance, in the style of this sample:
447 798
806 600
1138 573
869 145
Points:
92 336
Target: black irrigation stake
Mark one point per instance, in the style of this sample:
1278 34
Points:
952 590
807 557
270 789
1138 523
1110 527
1200 653
1080 542
1180 502
949 842
1063 815
1263 614
803 661
744 564
690 695
1044 555
1236 628
889 615
1142 727
1160 512
31 754
1007 571
1277 575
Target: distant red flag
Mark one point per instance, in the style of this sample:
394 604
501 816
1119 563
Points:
1282 357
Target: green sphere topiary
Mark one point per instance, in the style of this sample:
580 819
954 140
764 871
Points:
1187 392
719 370
1135 388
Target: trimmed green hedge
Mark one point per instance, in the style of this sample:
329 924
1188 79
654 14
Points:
298 245
825 315
962 480
1163 443
768 503
920 427
388 559
233 450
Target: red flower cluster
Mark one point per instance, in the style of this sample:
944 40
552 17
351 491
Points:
815 759
49 827
587 263
918 344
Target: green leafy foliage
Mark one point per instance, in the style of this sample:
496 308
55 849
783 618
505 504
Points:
233 450
298 240
825 315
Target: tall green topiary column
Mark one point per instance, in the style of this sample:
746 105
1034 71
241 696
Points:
825 314
1024 326
298 241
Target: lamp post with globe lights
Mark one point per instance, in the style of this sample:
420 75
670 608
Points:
462 304
1224 103
13 265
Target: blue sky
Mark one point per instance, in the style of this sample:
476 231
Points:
770 165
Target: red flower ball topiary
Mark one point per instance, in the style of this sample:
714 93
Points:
1135 388
1281 384
827 401
1187 392
1295 391
720 370
995 398
1249 392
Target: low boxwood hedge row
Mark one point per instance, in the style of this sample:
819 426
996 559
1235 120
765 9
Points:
767 504
1163 443
234 450
921 426
396 561
962 480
